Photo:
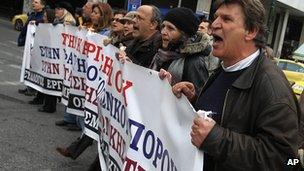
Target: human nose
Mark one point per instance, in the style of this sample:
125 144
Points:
216 23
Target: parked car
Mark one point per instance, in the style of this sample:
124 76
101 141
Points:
19 21
294 72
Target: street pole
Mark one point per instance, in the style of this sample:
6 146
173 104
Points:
271 12
179 3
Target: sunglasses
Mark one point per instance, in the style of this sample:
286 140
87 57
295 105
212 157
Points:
116 20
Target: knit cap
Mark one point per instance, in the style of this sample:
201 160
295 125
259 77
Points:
183 19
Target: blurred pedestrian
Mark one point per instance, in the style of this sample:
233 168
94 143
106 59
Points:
254 120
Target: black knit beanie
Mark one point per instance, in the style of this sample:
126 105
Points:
183 19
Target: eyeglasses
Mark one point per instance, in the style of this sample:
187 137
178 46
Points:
116 20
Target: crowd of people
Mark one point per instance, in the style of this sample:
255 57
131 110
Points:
220 66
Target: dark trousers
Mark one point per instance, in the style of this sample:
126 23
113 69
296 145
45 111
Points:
78 146
50 102
95 166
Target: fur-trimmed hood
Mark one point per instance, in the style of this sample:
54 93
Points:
199 43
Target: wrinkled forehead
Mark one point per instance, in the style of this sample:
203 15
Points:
231 9
144 11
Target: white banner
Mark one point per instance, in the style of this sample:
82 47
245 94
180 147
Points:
160 125
138 122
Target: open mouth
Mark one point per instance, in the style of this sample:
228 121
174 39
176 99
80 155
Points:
135 27
217 38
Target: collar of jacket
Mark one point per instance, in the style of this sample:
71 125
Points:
154 39
196 44
244 81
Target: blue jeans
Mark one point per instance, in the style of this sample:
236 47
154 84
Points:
70 118
80 122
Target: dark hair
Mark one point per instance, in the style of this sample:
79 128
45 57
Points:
120 11
156 16
78 11
43 2
254 13
205 21
106 15
50 15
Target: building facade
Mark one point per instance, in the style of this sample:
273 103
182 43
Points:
284 18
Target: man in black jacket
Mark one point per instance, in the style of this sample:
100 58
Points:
255 117
147 39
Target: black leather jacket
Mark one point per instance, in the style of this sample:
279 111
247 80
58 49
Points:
260 121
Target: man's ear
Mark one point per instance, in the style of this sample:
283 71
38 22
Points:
251 34
154 25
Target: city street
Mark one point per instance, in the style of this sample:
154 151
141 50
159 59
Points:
29 138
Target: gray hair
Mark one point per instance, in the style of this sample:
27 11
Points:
156 16
94 1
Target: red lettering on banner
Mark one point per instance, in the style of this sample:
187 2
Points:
88 48
132 164
78 83
90 95
51 68
97 57
64 36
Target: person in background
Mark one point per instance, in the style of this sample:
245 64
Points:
127 22
48 15
87 10
101 18
211 61
254 120
100 23
183 48
147 39
64 13
50 101
78 17
117 28
204 26
35 17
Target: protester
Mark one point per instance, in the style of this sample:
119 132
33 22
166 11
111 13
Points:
254 123
78 17
211 61
87 11
48 16
100 23
117 28
101 18
182 48
127 22
35 17
64 13
147 39
204 26
49 101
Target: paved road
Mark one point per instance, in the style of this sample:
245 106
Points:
28 138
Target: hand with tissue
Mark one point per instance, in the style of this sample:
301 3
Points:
201 127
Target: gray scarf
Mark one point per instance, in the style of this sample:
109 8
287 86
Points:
175 68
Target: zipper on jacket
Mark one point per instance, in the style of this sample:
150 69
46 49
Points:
224 107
